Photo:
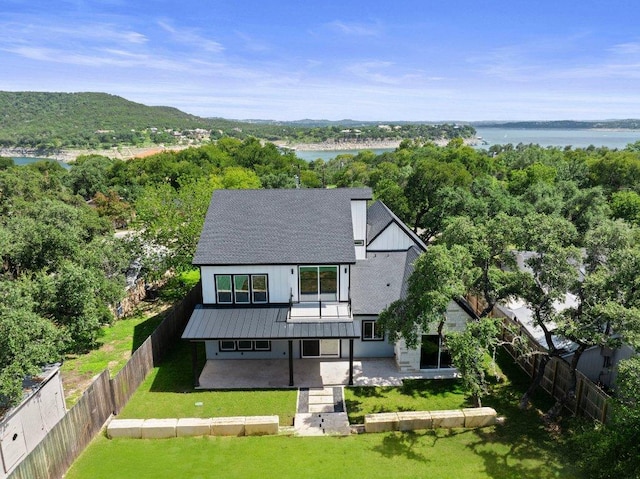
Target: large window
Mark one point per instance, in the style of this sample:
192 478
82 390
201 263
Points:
318 283
371 331
241 288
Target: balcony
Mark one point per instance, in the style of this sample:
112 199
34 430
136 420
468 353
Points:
315 311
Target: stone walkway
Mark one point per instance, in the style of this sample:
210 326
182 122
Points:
321 412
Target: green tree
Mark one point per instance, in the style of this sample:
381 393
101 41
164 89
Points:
438 277
171 221
552 264
27 341
427 187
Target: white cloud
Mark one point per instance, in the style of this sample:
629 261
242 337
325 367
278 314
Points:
191 38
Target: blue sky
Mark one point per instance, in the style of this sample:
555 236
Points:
366 60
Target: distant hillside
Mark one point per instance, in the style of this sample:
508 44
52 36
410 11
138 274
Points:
629 124
49 120
54 121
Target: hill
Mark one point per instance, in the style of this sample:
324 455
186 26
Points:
54 120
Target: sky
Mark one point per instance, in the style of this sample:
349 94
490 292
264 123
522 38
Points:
370 60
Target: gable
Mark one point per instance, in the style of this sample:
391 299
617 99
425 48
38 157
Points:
391 238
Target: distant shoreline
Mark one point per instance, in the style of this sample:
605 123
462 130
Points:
359 145
67 156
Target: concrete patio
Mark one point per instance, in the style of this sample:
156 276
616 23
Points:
307 373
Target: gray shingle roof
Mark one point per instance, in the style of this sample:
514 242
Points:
379 216
377 281
279 227
212 323
381 279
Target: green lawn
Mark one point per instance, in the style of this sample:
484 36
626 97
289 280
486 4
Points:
520 448
116 344
459 454
413 395
168 392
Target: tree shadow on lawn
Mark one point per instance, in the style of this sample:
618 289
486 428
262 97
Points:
522 438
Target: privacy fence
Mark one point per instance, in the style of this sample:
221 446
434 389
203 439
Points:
590 400
64 443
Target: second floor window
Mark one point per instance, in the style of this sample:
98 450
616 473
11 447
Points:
241 288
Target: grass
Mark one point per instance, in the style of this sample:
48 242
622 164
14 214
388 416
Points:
168 392
116 344
520 448
413 395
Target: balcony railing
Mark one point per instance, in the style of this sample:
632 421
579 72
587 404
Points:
319 311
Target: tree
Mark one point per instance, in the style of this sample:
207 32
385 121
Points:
606 312
612 450
88 175
426 190
438 277
171 221
27 341
469 352
552 264
493 275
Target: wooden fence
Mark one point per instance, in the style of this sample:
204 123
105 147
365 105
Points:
590 401
152 350
104 397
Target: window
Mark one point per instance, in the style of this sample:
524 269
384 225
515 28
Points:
223 288
318 283
227 345
241 288
259 288
244 345
371 331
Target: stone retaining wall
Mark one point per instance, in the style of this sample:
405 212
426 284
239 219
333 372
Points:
217 426
412 420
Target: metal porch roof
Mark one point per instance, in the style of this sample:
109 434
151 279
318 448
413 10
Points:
215 323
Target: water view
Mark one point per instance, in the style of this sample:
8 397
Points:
561 138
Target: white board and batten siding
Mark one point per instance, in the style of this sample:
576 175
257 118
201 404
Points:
283 280
392 238
359 221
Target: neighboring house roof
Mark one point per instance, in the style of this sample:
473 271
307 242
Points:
261 323
379 217
301 226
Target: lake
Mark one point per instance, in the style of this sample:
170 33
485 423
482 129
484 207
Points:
493 136
21 161
575 138
498 136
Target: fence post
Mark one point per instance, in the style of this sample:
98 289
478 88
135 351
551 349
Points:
555 375
579 394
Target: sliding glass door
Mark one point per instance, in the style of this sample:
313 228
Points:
318 283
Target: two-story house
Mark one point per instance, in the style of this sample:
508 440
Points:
304 273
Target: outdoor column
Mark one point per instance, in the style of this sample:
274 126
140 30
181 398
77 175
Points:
351 362
290 363
194 363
